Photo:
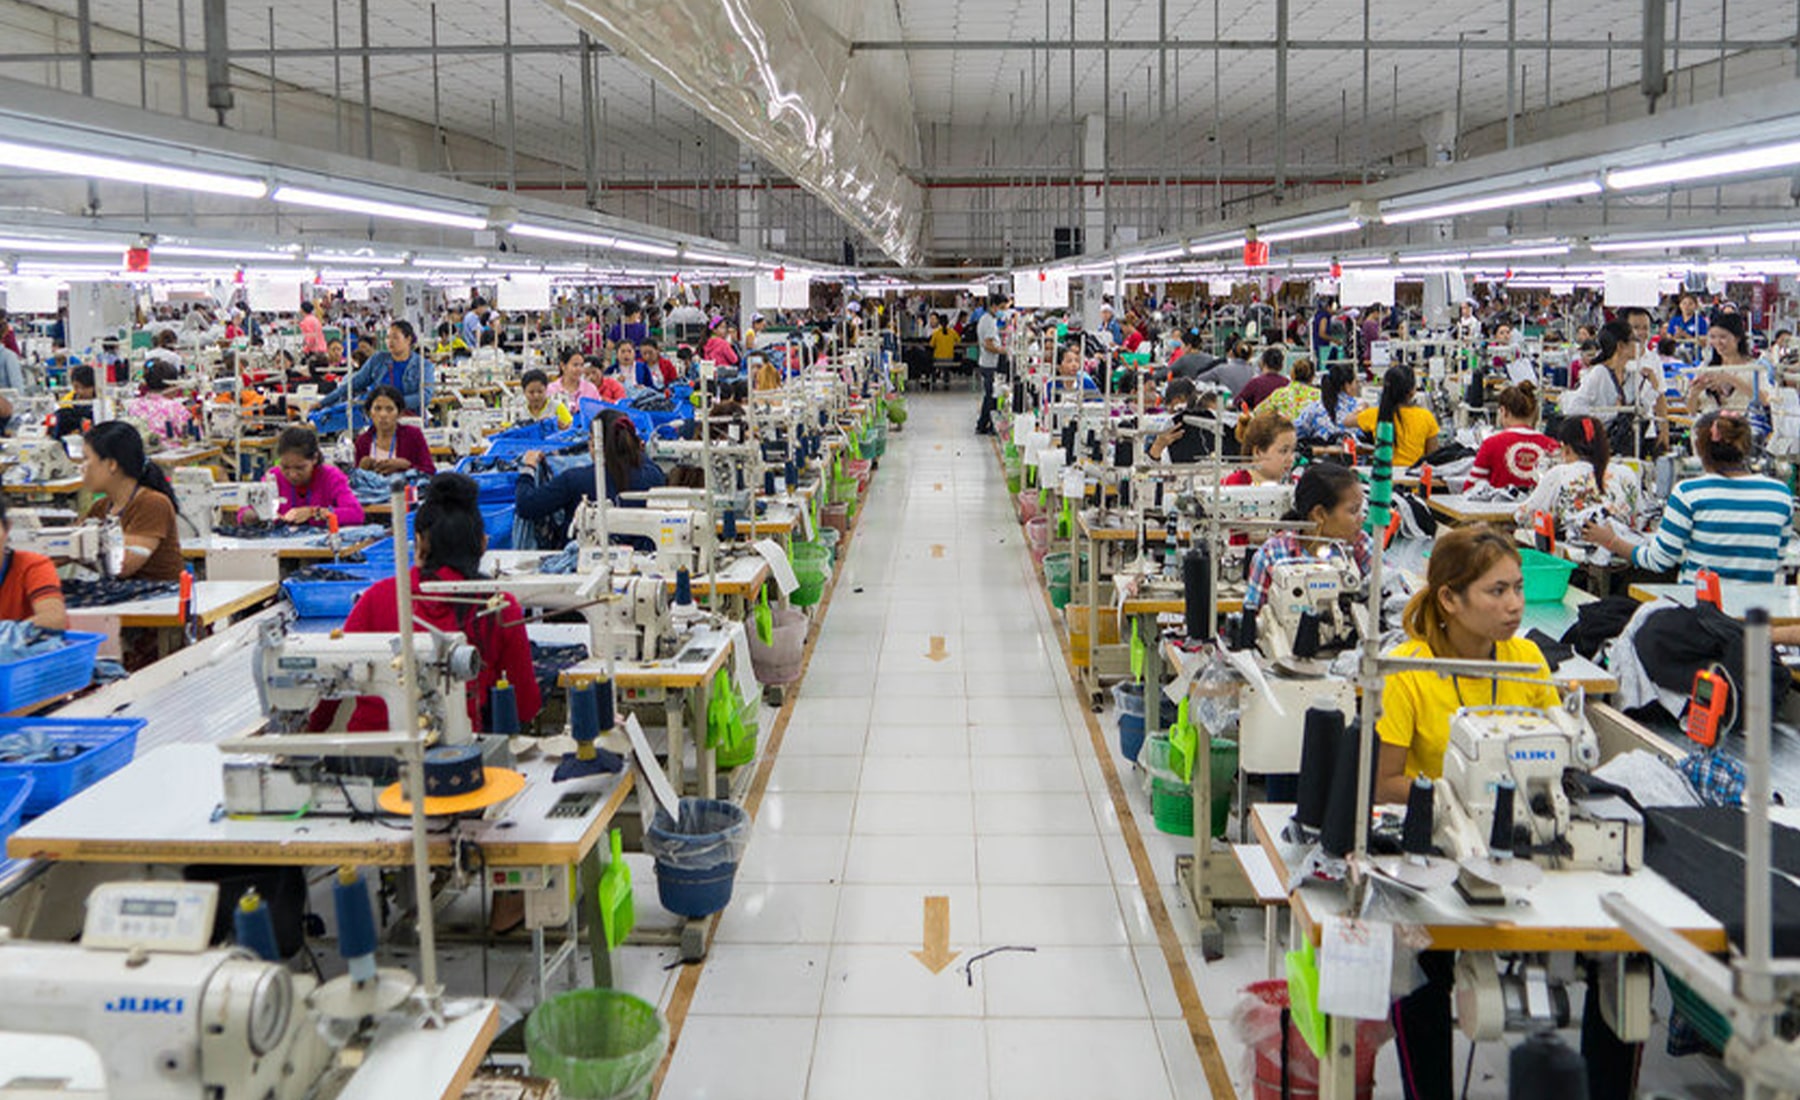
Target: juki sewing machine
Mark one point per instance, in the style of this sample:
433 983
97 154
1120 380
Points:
99 547
169 1019
1531 750
297 672
676 521
37 462
1310 612
628 617
202 499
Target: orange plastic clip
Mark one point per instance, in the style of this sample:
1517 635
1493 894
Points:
1350 448
1392 528
1425 479
187 592
1706 589
331 523
1545 525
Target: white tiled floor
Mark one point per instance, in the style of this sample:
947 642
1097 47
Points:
900 777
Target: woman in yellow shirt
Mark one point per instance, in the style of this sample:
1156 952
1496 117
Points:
1415 429
1470 608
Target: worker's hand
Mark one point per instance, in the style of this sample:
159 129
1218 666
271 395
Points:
368 463
1602 535
300 515
386 466
530 459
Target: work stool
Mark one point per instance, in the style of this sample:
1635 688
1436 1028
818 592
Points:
1268 892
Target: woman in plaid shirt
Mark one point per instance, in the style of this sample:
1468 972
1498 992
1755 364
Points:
1329 497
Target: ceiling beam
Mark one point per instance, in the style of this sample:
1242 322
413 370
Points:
299 53
1254 45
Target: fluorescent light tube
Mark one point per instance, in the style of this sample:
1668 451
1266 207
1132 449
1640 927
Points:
187 251
1771 236
1154 257
1697 168
716 258
61 162
1435 258
1521 253
469 262
646 248
1327 229
1490 202
350 204
1674 242
92 248
566 236
1211 247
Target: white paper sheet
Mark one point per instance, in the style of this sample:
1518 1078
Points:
1356 969
645 759
779 565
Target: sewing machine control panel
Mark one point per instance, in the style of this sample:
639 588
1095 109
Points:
156 916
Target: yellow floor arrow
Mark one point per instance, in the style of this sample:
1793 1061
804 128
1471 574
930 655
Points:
937 550
936 954
937 651
939 487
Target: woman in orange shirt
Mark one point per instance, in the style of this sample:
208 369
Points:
29 588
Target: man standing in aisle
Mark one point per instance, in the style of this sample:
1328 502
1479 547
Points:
991 358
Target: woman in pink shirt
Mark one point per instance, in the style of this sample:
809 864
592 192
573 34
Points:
312 490
572 383
312 331
719 348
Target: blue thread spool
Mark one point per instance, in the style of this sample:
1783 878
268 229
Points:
355 924
790 473
769 483
503 709
584 711
606 710
684 587
730 524
254 927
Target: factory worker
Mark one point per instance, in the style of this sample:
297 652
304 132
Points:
138 494
539 405
167 417
1512 456
572 384
388 446
1415 429
1269 439
1183 442
552 503
451 539
399 365
1071 374
1584 478
311 489
30 590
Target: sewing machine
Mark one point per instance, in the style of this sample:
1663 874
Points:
98 546
628 617
169 1019
676 520
37 462
1310 609
202 499
1534 748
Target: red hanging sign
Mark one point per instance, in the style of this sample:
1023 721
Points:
1256 253
1337 270
137 259
780 274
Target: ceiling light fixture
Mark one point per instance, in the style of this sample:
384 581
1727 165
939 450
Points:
566 236
1520 253
716 258
1208 248
33 244
350 204
1154 257
1672 242
1347 225
61 162
190 252
1773 236
1698 168
645 248
1490 202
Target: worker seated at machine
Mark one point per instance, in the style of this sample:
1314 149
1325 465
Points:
450 542
1330 497
1416 429
1183 442
1469 609
312 490
552 503
1586 485
77 408
138 494
30 590
388 446
539 404
1269 439
1072 377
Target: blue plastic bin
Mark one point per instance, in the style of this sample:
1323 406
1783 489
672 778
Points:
108 743
324 599
28 682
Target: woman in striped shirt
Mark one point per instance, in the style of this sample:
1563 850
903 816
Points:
1728 520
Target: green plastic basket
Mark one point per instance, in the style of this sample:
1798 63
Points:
1172 803
812 565
597 1043
749 713
1546 576
1704 1018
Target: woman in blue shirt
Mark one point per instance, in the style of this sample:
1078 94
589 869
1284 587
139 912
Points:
551 504
400 366
1323 420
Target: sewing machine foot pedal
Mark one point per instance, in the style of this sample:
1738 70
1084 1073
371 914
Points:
696 937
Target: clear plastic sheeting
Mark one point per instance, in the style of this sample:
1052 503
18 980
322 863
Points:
789 87
710 833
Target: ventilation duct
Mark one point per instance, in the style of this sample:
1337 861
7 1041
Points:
799 99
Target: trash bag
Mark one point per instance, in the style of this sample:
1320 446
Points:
709 833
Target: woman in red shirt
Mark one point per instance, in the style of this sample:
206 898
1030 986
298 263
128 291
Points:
29 588
451 540
1511 456
1269 439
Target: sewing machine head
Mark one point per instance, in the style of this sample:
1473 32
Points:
202 499
297 672
675 521
98 547
169 1019
1310 609
38 461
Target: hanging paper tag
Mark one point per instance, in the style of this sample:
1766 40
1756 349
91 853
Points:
1074 485
1356 969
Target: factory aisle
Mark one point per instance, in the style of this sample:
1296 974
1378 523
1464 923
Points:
937 751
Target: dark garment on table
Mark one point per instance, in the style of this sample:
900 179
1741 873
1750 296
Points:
1700 851
1675 643
112 590
1555 652
1194 444
70 418
1598 623
1190 364
552 504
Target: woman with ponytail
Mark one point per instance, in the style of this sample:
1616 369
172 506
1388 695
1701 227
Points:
138 494
1268 437
1728 520
1514 455
1415 429
1585 477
